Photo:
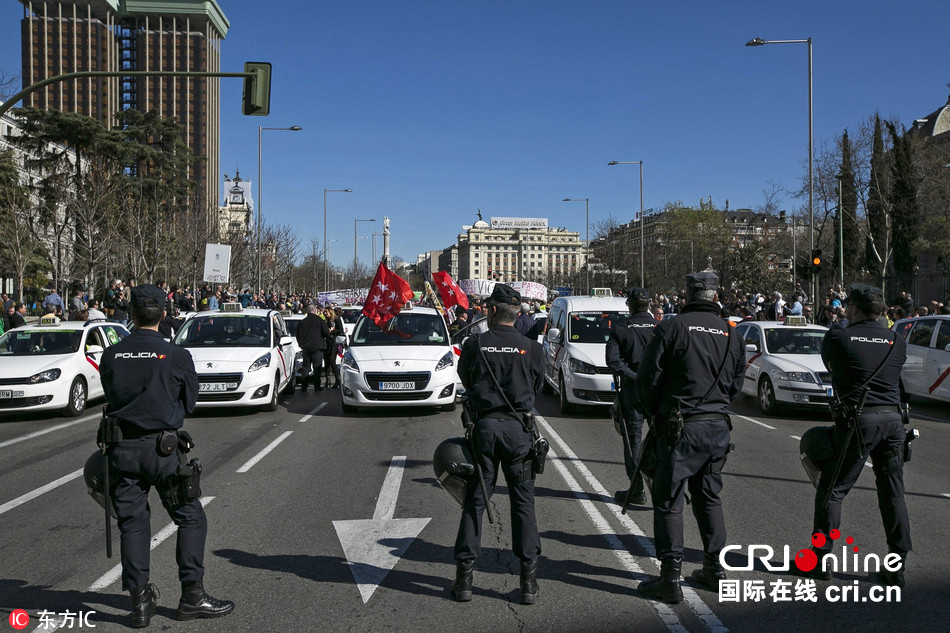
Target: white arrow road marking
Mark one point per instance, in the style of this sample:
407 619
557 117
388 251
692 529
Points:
373 546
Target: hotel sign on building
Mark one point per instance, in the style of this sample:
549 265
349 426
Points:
519 223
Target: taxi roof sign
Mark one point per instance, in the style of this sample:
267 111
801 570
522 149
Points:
285 313
49 319
796 320
231 307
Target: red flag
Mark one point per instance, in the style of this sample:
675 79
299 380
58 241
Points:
449 291
386 296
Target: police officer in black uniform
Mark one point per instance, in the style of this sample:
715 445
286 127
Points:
625 347
690 372
501 437
150 385
853 354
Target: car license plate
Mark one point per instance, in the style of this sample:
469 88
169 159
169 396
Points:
831 392
396 386
6 393
216 386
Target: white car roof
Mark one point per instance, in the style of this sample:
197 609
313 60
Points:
584 304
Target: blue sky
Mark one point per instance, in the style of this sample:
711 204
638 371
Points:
431 109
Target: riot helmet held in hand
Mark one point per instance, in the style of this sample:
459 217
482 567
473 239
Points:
453 465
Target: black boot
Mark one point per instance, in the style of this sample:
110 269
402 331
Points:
143 605
336 377
711 573
666 588
529 581
817 573
195 603
464 573
892 578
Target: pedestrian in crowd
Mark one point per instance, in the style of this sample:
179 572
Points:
524 323
312 337
53 304
865 357
807 313
796 308
334 329
120 307
150 386
94 311
691 370
18 316
625 347
503 438
6 302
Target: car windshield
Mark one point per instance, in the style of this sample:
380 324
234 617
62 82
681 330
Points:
40 342
403 329
352 315
593 327
225 330
790 341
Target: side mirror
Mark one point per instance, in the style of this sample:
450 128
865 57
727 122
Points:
554 334
946 348
286 340
94 349
751 347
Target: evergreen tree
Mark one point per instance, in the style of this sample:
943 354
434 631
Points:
906 209
847 214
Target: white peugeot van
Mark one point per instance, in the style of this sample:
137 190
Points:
574 349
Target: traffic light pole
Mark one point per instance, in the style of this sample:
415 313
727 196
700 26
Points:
9 103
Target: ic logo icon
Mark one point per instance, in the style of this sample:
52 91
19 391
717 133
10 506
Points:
19 619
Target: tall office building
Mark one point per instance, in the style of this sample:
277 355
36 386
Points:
64 36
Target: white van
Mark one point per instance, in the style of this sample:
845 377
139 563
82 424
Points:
574 349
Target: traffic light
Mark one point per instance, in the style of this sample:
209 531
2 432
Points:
816 261
257 89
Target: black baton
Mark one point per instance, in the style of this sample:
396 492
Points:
108 499
636 473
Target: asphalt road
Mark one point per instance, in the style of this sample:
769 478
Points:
308 508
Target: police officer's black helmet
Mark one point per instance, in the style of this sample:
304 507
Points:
816 450
94 472
453 465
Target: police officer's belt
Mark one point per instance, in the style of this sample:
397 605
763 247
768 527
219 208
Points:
133 432
884 408
703 417
498 414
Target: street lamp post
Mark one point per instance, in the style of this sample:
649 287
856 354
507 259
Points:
355 260
586 201
642 253
811 142
326 261
293 128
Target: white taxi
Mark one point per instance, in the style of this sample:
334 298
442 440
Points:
927 371
783 363
243 357
409 362
54 364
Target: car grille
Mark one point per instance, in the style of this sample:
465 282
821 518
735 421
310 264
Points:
596 396
605 370
14 381
16 403
419 378
235 378
824 377
396 396
212 396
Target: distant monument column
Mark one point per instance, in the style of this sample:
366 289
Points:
386 257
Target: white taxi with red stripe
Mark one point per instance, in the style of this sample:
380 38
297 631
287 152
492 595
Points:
54 364
927 370
783 363
243 357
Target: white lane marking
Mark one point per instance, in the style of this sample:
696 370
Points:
113 574
313 413
373 546
705 613
30 436
9 505
945 494
667 614
736 415
795 437
869 464
250 463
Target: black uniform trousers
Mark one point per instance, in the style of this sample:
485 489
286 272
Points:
684 465
505 443
135 466
312 366
633 421
884 440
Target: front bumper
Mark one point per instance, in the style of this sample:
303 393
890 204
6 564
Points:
38 397
805 394
363 389
590 389
241 389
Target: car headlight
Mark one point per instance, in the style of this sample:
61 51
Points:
446 361
797 376
349 363
260 363
580 367
45 376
